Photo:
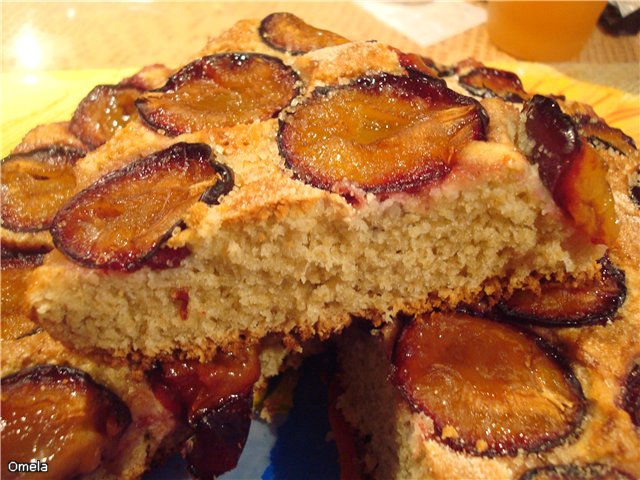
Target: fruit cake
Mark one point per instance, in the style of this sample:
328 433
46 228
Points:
110 420
68 415
287 180
208 220
542 384
72 415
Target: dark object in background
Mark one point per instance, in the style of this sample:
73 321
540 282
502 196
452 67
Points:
613 23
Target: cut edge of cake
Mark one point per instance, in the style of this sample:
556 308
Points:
278 256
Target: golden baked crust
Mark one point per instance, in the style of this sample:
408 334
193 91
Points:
46 135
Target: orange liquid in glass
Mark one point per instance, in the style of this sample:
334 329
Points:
542 30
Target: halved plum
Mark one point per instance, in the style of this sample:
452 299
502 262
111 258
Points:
220 91
219 437
599 133
631 396
104 111
384 133
570 304
215 399
589 471
490 388
35 185
61 416
188 388
15 313
420 63
492 82
122 220
288 33
571 169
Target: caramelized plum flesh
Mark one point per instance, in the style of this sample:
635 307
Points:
104 111
121 220
563 304
590 471
35 185
215 398
219 437
15 313
188 387
587 196
289 33
381 134
570 169
491 82
59 415
490 388
220 91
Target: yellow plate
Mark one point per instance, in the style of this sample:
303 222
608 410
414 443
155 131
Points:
30 100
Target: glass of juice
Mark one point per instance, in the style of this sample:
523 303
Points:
548 31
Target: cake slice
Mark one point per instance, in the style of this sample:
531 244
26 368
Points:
73 416
263 191
542 385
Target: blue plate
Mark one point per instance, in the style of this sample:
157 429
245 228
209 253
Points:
298 447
